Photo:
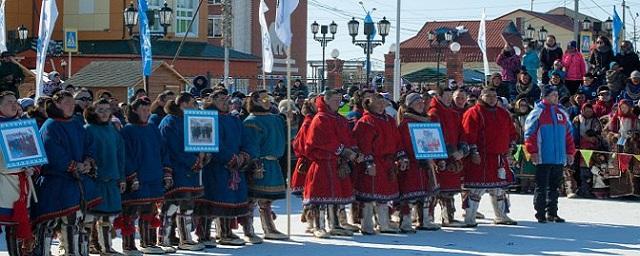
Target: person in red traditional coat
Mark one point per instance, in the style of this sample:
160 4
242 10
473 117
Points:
378 137
449 170
330 147
302 164
490 134
419 181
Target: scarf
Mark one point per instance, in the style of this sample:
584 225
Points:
523 88
551 48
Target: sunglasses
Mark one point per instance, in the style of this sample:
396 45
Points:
103 111
604 94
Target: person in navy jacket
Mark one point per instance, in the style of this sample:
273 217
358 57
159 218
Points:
549 140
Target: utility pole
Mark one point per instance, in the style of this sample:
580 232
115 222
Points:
397 80
227 16
624 20
576 20
531 5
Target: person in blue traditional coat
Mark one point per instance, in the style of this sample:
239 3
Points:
266 131
157 107
110 182
148 173
16 192
83 99
225 186
186 173
66 186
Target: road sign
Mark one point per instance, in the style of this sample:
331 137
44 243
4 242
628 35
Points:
71 40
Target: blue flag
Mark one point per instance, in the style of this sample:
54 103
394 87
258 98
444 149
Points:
617 29
368 19
145 38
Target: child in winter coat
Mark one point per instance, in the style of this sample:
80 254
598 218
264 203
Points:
600 187
615 79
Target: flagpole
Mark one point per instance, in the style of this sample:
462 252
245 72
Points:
289 108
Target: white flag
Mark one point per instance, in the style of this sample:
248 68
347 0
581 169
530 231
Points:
48 17
482 42
3 28
283 20
267 54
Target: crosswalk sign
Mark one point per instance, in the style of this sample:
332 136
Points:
71 40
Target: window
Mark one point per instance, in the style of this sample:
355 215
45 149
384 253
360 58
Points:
184 11
216 2
214 28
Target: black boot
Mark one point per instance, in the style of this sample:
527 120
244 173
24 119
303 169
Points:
12 240
555 218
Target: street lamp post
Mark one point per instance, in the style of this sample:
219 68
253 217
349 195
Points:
130 17
166 17
324 40
369 43
23 33
439 41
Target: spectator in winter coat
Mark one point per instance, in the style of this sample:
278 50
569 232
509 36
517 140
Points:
576 101
549 140
499 85
525 88
587 134
627 58
616 78
510 64
589 87
531 61
632 89
556 80
548 55
600 58
604 103
574 66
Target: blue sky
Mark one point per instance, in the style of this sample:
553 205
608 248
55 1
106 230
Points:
414 13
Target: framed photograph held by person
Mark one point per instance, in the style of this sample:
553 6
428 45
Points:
22 144
428 141
201 131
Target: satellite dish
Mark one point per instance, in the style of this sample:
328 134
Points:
455 47
335 53
517 50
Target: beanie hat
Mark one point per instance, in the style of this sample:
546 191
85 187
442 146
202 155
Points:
572 44
613 63
635 74
26 102
603 88
547 89
412 97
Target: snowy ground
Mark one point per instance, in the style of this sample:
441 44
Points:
595 227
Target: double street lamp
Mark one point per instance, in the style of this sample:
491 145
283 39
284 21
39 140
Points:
165 15
530 33
369 43
324 40
440 41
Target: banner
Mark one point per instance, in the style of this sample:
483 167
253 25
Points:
283 20
267 54
617 30
368 19
3 28
48 17
145 38
586 155
482 43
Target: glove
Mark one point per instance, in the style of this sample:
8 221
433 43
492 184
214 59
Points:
349 154
371 170
123 187
135 185
343 168
168 182
475 158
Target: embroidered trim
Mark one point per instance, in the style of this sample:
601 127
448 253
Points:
499 184
65 212
340 149
361 196
142 201
328 200
417 195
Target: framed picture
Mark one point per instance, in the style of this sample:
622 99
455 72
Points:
22 144
201 131
428 141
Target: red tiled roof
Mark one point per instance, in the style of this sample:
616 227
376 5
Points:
418 48
560 20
